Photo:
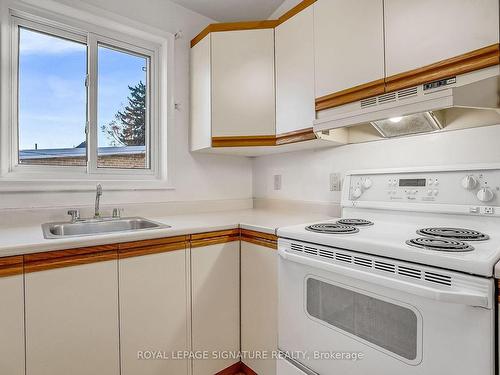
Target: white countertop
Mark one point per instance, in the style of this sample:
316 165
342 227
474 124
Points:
16 240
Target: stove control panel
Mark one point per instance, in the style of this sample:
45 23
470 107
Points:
478 189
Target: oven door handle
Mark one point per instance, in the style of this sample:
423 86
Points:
461 297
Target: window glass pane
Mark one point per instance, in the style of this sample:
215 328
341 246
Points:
122 114
52 100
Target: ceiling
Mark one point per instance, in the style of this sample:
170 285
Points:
232 10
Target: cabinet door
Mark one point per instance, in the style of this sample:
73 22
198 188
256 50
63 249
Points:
419 33
12 316
153 312
295 73
259 304
215 304
72 320
348 44
243 101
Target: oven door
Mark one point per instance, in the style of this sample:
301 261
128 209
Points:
347 313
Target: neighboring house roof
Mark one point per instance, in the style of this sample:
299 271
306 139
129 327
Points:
79 152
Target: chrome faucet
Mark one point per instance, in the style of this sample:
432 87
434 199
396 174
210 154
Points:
98 194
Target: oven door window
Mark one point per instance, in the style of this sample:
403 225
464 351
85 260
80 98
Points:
387 326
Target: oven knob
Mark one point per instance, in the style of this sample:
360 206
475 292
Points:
367 183
485 194
356 193
469 182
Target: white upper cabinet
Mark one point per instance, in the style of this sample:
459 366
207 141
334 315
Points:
243 102
348 44
232 86
419 33
295 73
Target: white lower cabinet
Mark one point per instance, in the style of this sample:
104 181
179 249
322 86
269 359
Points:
11 321
153 313
72 320
259 305
215 305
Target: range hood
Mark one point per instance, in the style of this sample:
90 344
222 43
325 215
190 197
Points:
415 109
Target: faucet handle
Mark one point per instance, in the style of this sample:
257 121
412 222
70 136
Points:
75 214
117 213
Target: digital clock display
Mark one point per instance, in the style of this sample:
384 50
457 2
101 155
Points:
412 182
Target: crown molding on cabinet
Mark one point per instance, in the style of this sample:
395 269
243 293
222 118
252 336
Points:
251 25
11 266
265 140
465 63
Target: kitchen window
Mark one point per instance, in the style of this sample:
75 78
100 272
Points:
84 103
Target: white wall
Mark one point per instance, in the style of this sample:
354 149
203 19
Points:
306 174
196 177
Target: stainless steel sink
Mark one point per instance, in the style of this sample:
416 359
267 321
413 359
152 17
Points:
98 226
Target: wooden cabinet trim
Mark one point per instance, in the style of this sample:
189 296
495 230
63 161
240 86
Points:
295 10
259 238
265 140
295 136
151 249
498 290
244 141
465 63
68 258
233 26
152 242
251 25
15 265
350 95
214 238
10 266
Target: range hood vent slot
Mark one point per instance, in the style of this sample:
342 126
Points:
407 93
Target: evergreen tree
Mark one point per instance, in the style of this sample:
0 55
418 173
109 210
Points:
129 125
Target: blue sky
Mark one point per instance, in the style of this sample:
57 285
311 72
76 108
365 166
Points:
52 95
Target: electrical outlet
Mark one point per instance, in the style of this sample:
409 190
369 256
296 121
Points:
335 182
277 182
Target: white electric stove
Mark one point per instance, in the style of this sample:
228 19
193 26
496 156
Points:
402 284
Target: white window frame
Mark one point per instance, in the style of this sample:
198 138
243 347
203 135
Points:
156 46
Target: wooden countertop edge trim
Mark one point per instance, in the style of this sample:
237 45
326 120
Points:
350 95
11 266
213 241
152 242
68 261
251 25
259 238
19 264
151 249
217 233
465 63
